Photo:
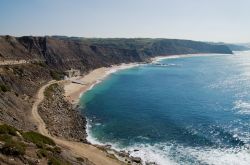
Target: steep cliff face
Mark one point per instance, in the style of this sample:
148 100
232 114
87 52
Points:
41 58
86 54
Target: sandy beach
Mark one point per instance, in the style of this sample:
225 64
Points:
73 91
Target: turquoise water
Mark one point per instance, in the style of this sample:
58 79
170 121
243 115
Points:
194 111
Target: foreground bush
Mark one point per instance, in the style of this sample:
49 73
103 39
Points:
6 129
38 139
13 148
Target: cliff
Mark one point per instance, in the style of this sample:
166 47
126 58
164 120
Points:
86 54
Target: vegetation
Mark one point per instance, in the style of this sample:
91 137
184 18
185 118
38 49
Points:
42 153
4 88
56 161
50 89
54 149
5 137
80 159
56 75
13 148
38 139
6 129
14 144
40 63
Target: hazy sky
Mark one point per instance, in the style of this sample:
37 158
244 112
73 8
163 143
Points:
206 20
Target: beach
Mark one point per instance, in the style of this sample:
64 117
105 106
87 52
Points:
73 91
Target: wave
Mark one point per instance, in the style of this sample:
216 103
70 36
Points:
171 153
160 58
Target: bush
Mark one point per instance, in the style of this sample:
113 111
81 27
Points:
56 75
56 161
6 129
38 139
4 88
55 150
13 148
5 138
42 153
80 159
50 89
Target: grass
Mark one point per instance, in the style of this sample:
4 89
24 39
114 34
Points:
38 139
6 129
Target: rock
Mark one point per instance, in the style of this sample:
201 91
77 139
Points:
108 146
123 154
136 159
150 163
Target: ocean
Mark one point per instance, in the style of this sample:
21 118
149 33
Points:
182 110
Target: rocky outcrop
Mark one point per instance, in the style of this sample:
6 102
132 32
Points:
61 118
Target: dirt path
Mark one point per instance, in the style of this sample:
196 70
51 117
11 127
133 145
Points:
93 154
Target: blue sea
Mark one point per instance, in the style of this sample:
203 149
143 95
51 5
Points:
189 110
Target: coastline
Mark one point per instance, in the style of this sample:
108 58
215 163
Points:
73 91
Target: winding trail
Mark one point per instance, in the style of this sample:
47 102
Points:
90 152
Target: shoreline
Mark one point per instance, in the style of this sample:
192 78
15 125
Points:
74 91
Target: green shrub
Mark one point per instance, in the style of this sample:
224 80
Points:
4 88
56 75
57 161
37 139
55 150
42 153
13 148
6 129
5 138
50 89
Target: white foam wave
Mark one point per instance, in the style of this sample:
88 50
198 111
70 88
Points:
220 156
160 58
169 154
150 153
90 138
172 154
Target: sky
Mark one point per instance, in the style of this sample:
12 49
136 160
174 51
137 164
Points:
203 20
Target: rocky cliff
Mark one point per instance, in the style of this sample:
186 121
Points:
28 62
